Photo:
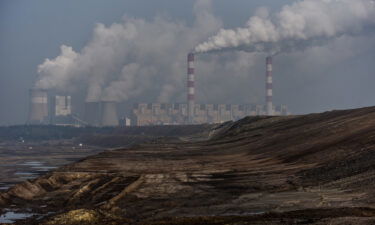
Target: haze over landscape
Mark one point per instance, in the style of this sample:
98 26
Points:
187 112
127 51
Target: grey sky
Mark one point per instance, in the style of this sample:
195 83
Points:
309 81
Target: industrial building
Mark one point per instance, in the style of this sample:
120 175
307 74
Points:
63 105
50 109
109 116
38 109
102 114
58 108
144 114
61 110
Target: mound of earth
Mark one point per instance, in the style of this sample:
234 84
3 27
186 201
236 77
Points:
310 169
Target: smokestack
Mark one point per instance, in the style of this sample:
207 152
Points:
269 86
191 87
92 113
109 114
38 112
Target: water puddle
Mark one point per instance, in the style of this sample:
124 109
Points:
27 171
44 168
3 188
11 217
31 163
36 165
26 175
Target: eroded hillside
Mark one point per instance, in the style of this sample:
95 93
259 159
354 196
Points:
311 169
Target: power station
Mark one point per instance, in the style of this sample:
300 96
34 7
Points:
58 110
145 114
38 109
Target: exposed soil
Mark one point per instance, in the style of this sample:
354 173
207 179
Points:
312 169
23 161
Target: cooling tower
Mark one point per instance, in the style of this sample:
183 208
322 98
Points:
109 114
191 87
269 87
38 112
92 113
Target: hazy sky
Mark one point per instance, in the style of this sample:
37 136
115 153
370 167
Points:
338 74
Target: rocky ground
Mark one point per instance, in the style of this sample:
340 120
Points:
311 169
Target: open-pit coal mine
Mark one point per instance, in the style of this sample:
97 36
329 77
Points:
308 169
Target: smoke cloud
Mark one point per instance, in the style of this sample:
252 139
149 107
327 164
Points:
128 59
297 26
145 60
56 73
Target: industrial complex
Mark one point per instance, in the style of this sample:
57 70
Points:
144 114
57 109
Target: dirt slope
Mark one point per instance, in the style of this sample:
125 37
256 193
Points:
312 169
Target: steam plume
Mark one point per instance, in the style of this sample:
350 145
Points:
130 58
297 26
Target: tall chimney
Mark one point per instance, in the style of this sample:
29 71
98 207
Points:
191 87
109 114
269 86
38 112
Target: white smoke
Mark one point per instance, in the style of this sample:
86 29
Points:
131 58
56 72
296 26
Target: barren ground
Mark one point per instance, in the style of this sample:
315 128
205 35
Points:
312 169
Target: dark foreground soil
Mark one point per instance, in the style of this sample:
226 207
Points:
312 169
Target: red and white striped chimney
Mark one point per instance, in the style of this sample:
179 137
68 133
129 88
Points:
191 87
269 86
